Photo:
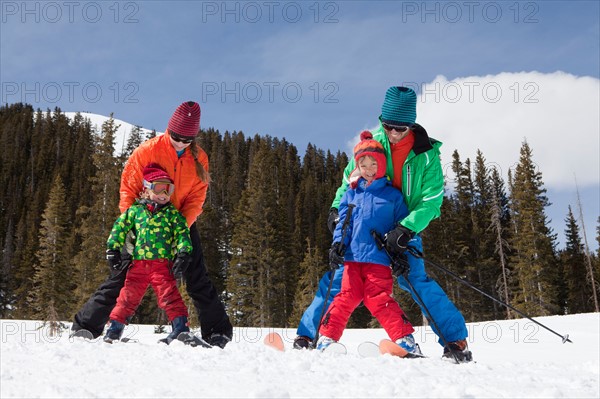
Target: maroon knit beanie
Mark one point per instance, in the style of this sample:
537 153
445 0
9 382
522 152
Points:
186 120
154 171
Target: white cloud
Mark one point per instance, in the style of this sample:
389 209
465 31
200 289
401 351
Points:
557 113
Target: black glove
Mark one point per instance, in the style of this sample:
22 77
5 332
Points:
333 219
113 258
400 265
335 258
396 240
182 261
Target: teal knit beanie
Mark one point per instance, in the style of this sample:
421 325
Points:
399 107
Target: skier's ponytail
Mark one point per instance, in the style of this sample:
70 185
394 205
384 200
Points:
200 170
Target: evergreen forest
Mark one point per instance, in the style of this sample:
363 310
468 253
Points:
264 227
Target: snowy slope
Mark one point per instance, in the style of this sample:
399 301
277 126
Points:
514 358
122 132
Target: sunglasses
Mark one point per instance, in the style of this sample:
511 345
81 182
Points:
399 129
181 139
160 187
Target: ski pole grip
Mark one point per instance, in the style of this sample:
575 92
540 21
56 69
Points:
377 239
415 252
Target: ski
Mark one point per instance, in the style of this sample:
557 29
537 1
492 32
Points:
83 333
389 347
274 340
336 348
368 349
191 339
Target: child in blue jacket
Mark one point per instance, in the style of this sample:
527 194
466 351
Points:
367 273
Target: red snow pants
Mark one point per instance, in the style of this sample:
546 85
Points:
141 274
372 284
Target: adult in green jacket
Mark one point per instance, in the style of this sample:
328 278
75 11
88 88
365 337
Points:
414 167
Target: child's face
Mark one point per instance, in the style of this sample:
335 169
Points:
162 194
367 166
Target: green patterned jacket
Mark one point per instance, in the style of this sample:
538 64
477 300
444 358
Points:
159 235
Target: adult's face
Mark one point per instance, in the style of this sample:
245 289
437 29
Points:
180 142
396 133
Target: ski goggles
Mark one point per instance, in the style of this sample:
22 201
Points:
181 139
399 129
160 187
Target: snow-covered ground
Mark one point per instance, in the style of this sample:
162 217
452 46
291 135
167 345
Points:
514 359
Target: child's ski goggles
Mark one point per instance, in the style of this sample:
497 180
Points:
159 187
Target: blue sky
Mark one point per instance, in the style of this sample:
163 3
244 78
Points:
317 72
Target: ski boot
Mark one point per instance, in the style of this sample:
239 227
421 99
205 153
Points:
324 342
219 340
179 325
302 342
114 332
458 350
409 345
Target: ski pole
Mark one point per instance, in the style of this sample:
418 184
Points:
342 252
381 245
418 254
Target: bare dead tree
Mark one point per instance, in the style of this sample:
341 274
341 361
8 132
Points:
588 256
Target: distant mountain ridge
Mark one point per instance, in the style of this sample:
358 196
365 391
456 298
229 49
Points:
123 131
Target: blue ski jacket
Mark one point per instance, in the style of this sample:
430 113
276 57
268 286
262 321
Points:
378 206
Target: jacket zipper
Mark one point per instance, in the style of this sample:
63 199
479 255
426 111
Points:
408 180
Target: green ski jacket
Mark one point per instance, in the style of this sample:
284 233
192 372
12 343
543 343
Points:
159 235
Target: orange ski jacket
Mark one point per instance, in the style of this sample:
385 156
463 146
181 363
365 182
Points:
190 191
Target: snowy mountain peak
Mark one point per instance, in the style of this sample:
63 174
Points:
123 131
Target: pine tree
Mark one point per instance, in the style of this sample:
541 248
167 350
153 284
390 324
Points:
53 278
577 291
151 134
256 275
596 263
534 260
310 272
484 239
464 246
6 269
214 225
133 141
98 219
499 227
29 208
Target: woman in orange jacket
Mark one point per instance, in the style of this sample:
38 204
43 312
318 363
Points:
187 163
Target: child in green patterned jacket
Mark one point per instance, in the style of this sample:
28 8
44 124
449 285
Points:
161 232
